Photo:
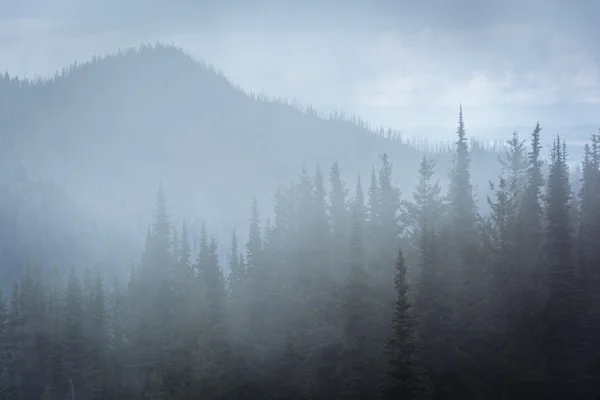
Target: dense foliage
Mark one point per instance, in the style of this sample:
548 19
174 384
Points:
376 295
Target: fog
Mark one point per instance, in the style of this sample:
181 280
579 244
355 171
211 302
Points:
297 200
394 63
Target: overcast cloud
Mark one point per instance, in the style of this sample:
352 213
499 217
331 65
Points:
390 61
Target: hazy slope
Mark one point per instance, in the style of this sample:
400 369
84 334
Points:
109 130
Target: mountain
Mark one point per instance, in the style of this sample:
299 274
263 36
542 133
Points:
109 130
106 132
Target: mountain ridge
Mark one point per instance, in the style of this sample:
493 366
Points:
119 124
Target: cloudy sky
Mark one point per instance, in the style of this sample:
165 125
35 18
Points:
397 62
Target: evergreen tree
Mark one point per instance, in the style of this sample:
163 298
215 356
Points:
515 163
185 252
420 216
254 245
531 213
562 313
236 273
359 374
373 210
469 281
214 358
433 304
74 340
405 378
156 296
320 258
588 252
461 189
97 351
175 245
338 211
507 288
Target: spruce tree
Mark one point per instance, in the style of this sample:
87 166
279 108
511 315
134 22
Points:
185 252
357 361
562 314
373 211
461 189
420 215
468 274
514 163
212 362
74 341
340 221
433 304
254 245
405 378
385 240
531 213
97 353
236 273
588 251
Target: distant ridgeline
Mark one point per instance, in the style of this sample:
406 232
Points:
107 131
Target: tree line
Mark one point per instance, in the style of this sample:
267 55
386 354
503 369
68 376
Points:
368 295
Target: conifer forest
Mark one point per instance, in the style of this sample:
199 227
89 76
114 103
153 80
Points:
343 289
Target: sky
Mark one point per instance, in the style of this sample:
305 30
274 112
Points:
399 63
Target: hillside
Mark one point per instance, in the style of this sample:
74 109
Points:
109 130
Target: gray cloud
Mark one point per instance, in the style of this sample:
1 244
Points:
363 56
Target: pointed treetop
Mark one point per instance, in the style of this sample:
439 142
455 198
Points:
161 222
319 184
359 197
185 250
461 125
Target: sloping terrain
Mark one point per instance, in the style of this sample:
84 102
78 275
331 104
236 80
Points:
108 131
111 129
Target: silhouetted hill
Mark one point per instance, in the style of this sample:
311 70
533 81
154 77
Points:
110 129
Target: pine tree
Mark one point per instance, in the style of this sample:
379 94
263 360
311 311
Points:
34 337
13 347
320 257
213 358
236 274
338 211
562 313
515 163
98 343
254 245
175 245
74 341
588 252
531 213
420 216
156 296
373 210
185 252
589 231
433 303
117 329
468 277
161 239
461 189
405 378
211 276
382 251
4 349
357 363
506 289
